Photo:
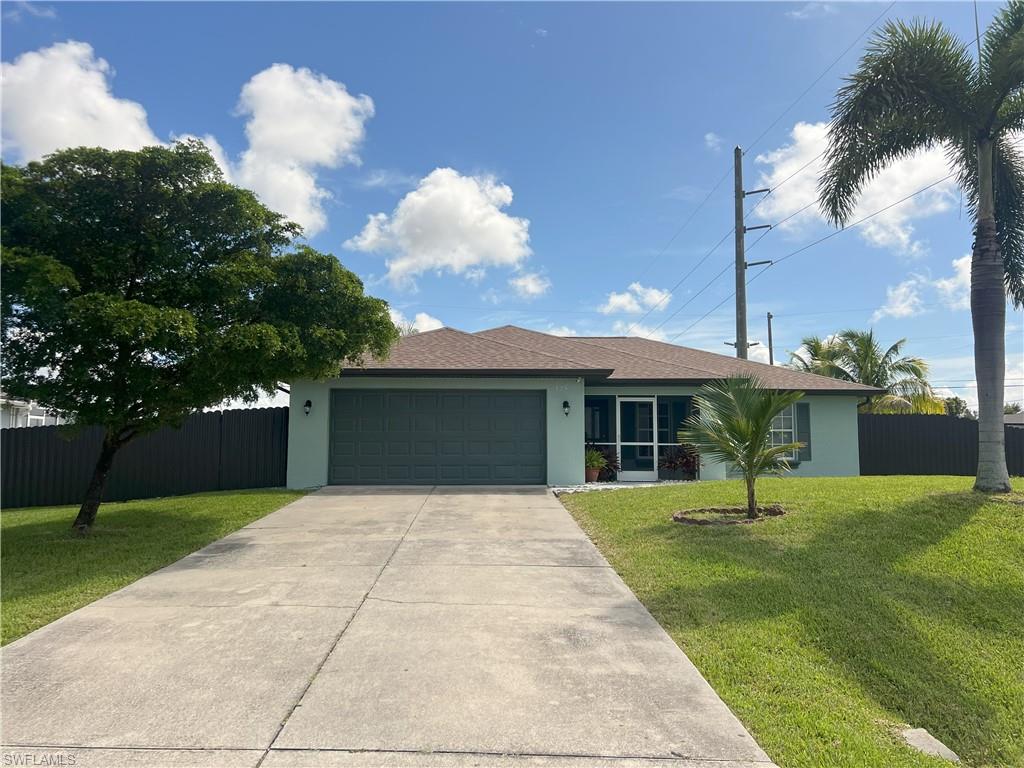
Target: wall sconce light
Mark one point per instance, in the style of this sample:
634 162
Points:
307 407
565 407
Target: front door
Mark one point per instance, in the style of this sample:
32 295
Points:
638 430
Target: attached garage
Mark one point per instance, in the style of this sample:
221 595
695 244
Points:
449 437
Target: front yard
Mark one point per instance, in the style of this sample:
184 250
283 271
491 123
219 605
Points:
47 571
875 602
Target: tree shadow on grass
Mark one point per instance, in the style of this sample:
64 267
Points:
856 607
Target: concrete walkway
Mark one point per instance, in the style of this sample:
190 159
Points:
373 627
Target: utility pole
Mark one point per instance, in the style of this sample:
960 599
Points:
771 347
741 262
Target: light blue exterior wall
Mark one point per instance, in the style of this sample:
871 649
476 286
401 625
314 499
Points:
308 436
834 449
834 440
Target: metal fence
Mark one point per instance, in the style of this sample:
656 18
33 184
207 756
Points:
219 450
928 445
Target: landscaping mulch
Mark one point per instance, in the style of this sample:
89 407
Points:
725 515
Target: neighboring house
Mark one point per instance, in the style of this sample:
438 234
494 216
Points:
25 413
513 406
1013 419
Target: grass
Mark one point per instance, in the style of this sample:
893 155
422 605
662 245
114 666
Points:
48 572
874 602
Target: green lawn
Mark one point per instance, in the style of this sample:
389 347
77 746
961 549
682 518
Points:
876 601
48 572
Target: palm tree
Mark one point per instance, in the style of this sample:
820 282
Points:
857 356
820 356
918 86
733 422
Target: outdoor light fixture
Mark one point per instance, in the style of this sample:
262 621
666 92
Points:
307 407
565 407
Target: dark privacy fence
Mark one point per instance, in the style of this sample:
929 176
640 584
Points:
220 450
928 445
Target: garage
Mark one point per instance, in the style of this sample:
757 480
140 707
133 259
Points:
449 437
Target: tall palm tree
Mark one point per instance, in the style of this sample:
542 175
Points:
820 356
904 378
918 86
732 422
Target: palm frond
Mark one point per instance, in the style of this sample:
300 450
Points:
913 88
1008 179
1002 60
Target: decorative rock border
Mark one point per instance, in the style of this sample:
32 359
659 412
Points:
558 490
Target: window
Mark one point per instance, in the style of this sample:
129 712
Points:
784 430
599 419
672 412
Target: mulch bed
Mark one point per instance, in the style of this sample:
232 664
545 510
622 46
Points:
731 515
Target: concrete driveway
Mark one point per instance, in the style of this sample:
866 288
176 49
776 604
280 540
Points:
372 627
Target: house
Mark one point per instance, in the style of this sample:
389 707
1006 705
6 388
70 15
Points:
25 413
515 406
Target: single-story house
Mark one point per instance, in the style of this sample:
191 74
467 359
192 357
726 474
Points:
515 406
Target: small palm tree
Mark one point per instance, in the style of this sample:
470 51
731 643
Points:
857 356
918 86
732 423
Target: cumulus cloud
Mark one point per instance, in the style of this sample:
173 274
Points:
298 122
421 321
903 300
449 223
561 330
956 290
892 230
530 285
635 299
713 141
60 97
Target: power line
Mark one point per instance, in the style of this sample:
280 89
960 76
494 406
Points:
822 75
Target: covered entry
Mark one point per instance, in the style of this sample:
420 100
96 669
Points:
424 436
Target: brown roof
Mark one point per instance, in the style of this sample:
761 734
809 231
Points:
447 350
514 350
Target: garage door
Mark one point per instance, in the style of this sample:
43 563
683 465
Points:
457 437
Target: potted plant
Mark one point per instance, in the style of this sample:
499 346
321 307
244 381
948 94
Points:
593 462
679 462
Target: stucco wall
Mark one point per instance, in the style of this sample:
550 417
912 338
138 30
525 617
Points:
308 435
834 450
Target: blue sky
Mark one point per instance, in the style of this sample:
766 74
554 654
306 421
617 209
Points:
528 163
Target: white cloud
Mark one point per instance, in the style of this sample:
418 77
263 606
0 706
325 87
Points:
421 321
561 330
813 11
625 328
713 141
956 290
449 223
16 11
392 181
892 229
903 300
530 285
60 97
635 299
541 32
299 121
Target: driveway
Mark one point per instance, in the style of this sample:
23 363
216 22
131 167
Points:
372 627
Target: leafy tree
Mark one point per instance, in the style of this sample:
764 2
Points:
732 423
857 356
139 287
957 406
918 86
1011 408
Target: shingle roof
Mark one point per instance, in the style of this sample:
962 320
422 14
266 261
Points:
513 350
450 350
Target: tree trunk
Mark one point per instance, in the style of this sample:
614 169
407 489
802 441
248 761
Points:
751 499
988 315
112 442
